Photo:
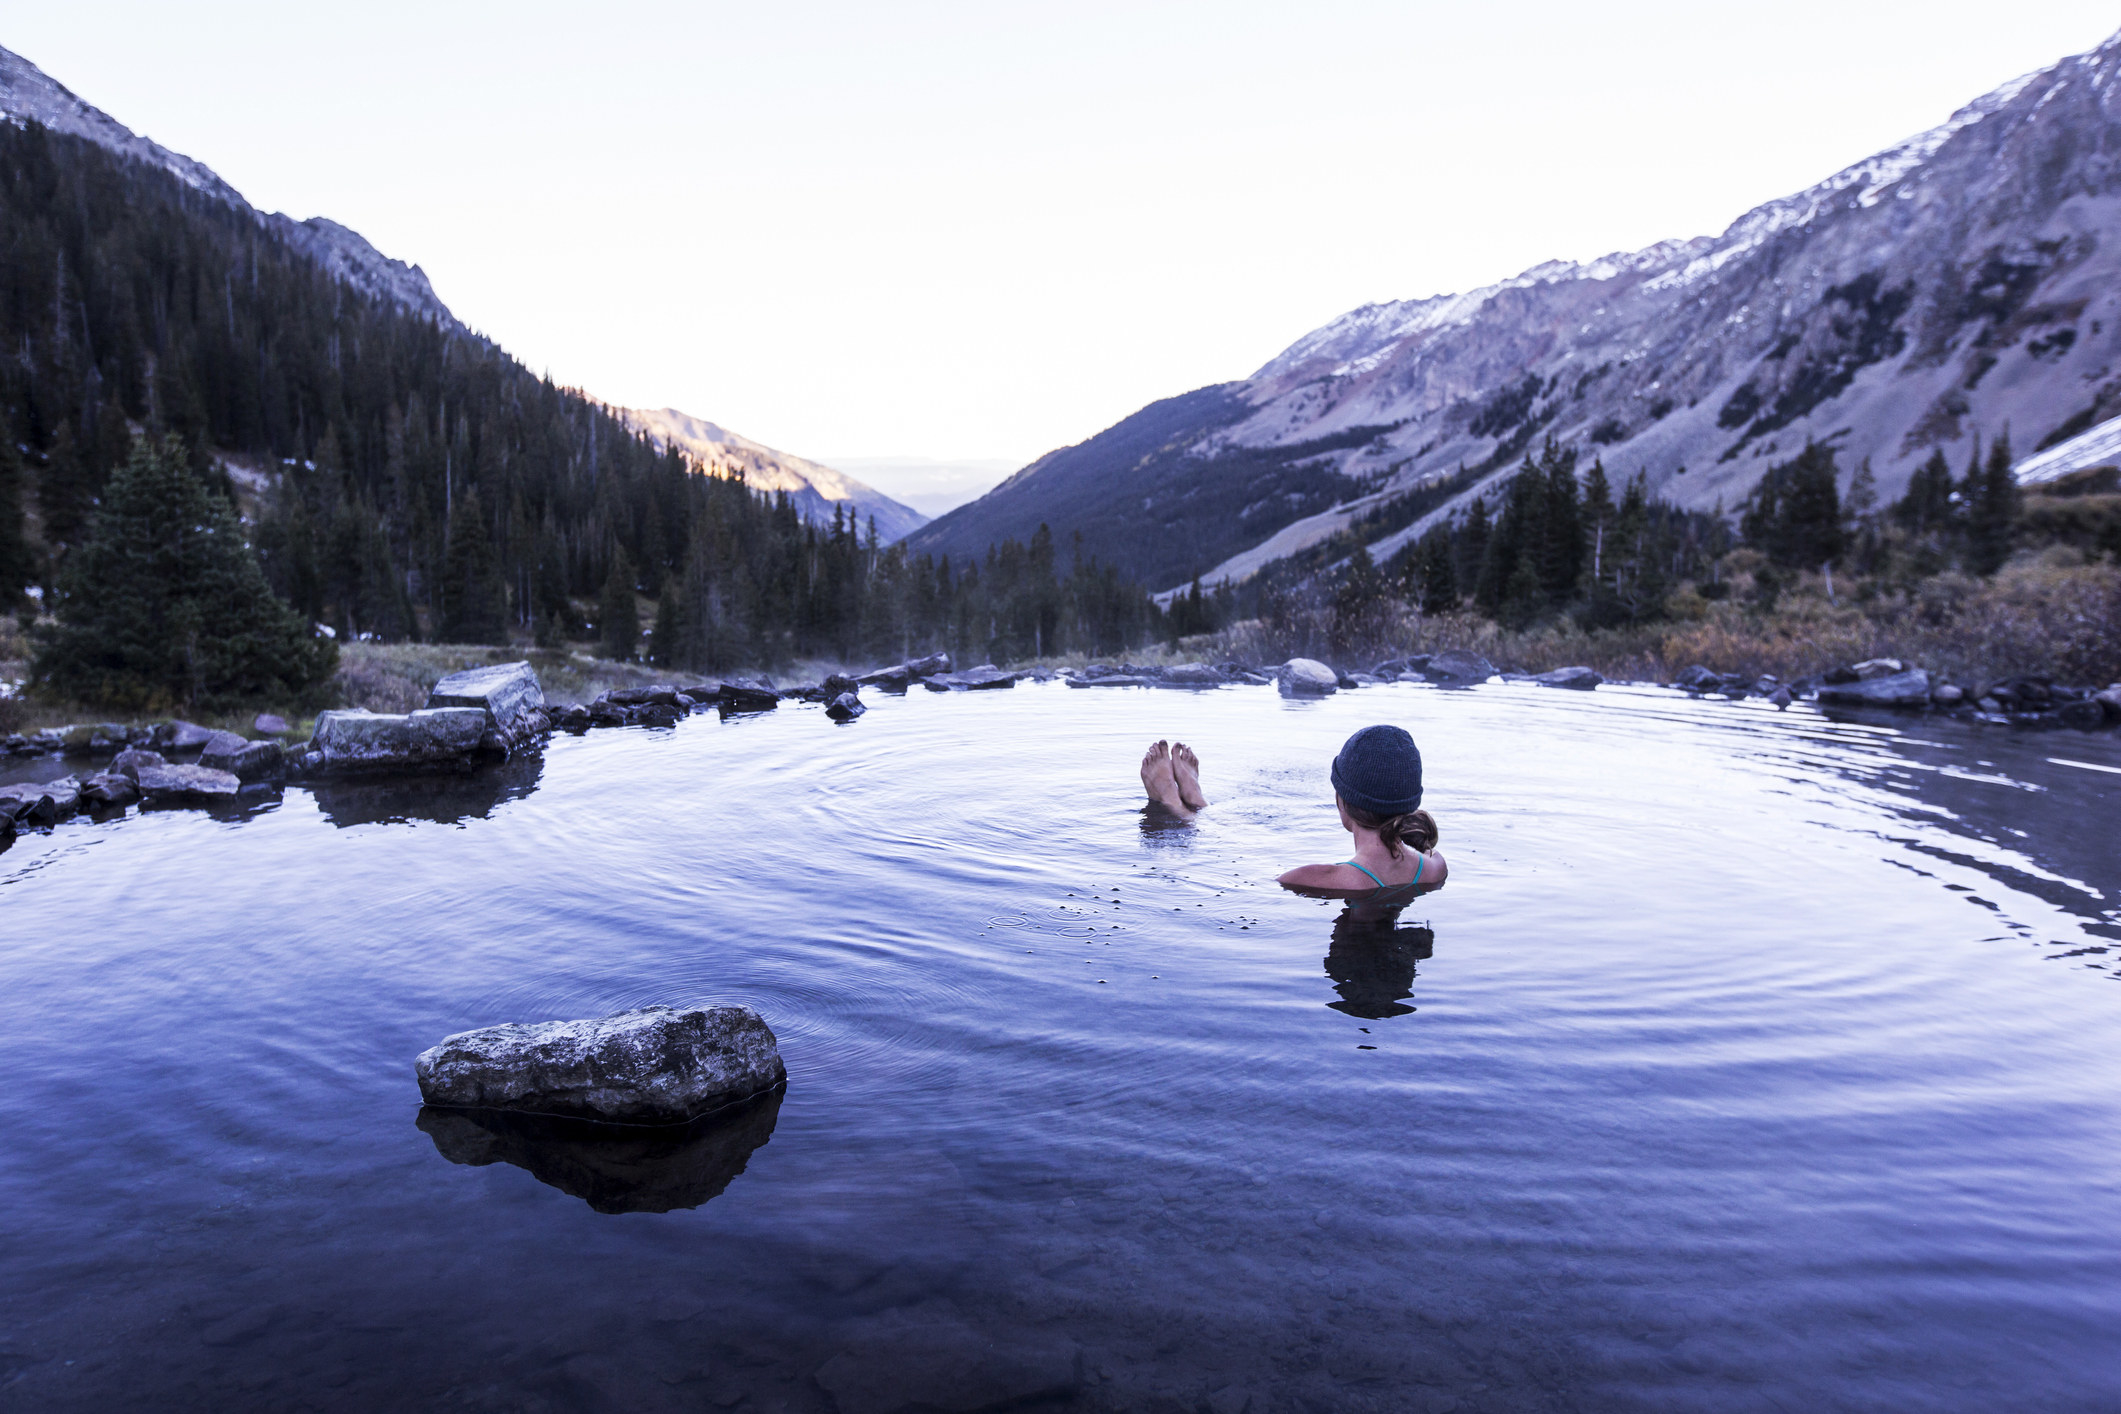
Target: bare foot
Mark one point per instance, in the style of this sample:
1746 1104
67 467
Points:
1158 780
1185 769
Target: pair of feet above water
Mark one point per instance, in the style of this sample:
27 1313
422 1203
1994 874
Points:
1171 776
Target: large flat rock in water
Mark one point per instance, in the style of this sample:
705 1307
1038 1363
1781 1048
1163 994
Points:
1908 689
508 693
355 740
1307 677
1456 667
655 1065
185 785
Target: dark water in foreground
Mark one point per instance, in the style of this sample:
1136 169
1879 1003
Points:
1753 1062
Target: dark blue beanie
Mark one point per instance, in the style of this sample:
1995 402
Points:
1379 770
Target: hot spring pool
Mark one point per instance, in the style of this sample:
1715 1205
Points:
1749 1061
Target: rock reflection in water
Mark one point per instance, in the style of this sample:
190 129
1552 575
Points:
1371 962
612 1168
447 798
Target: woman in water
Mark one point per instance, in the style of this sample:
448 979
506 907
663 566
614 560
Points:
1376 785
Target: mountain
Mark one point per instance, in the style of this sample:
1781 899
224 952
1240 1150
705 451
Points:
816 489
1963 283
27 93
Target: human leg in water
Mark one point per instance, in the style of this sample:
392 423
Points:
1161 781
1185 769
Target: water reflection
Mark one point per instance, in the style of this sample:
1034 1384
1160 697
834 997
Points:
447 799
612 1168
1371 962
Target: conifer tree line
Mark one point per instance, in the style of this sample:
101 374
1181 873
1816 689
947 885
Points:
420 482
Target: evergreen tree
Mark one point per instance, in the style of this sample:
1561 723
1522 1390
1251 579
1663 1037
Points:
1471 543
1794 514
17 565
1561 525
474 598
1991 496
1435 573
618 614
1927 509
666 639
1597 517
164 604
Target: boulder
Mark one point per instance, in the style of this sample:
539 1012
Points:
128 763
1908 689
1781 698
574 718
743 695
185 785
845 707
1192 675
900 676
2086 715
509 695
659 695
2110 702
1947 695
1698 678
181 736
247 761
1873 668
266 724
39 804
657 714
432 738
653 1065
1457 666
108 789
1580 679
838 683
1307 677
1116 680
978 679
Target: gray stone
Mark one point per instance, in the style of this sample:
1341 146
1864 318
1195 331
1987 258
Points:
927 1358
434 737
1194 675
1697 677
1781 698
1873 668
1458 666
1947 694
266 724
845 707
1113 680
108 789
1307 677
836 684
745 696
1580 679
128 763
642 696
657 714
1908 689
1359 680
185 785
247 761
654 1065
901 676
39 804
2085 716
980 679
181 736
509 695
2110 701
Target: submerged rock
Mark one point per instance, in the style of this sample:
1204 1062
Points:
655 1065
1307 677
613 1170
247 761
433 738
927 1357
1581 679
1906 689
1457 666
509 695
184 785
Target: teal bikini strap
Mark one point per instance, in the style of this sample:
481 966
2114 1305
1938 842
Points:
1373 878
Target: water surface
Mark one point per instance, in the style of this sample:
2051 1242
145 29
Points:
1749 1061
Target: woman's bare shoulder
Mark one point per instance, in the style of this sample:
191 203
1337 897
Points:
1324 879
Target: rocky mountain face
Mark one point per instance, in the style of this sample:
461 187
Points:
1964 283
28 94
816 489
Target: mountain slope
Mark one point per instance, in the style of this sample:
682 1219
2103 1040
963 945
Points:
816 489
1960 283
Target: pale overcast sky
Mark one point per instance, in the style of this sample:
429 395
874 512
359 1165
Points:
984 230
